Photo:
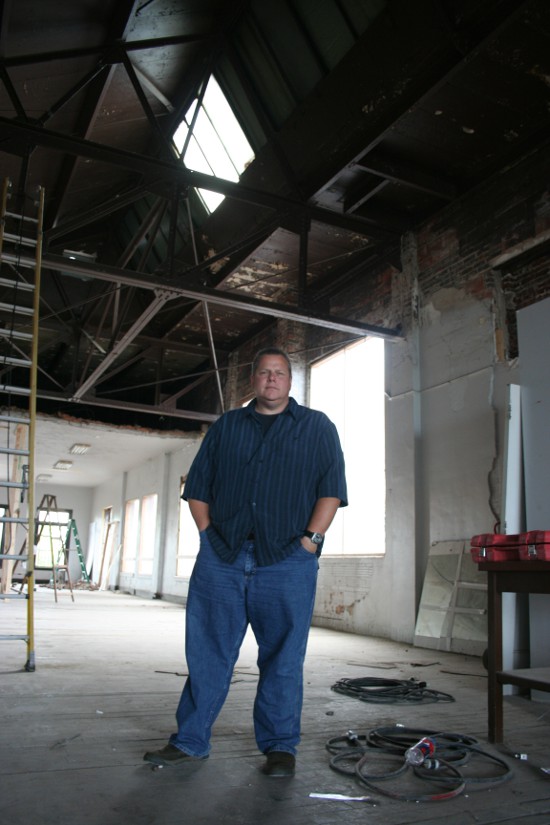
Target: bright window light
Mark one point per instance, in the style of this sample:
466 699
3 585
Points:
147 534
52 539
349 388
217 146
131 535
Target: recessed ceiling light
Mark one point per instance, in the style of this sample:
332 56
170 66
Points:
63 465
43 477
79 449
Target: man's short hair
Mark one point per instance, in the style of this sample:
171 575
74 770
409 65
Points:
271 351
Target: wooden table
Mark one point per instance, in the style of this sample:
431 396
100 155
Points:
510 577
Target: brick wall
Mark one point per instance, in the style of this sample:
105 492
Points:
461 248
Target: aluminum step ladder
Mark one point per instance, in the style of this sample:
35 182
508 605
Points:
20 262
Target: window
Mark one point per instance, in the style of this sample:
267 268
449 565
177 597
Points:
107 548
188 541
3 513
349 388
52 539
217 145
147 534
131 533
140 529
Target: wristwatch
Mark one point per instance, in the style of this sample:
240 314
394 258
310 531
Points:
316 538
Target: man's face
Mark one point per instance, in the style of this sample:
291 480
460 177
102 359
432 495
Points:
271 382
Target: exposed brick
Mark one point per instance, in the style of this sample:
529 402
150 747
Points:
455 250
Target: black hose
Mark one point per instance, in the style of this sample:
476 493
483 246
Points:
390 691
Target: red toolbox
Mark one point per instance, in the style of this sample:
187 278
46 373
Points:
495 547
535 545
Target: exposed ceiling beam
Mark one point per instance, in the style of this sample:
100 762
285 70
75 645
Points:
111 51
153 169
213 296
97 212
168 345
154 89
361 194
130 406
415 97
149 343
259 108
98 84
170 401
408 175
161 297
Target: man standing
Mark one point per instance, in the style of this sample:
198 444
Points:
263 490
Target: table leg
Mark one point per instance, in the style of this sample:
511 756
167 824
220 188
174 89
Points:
494 657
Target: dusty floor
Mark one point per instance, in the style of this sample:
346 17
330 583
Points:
109 673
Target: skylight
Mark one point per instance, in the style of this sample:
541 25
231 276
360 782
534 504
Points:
217 145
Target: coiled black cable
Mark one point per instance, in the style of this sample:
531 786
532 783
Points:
390 691
453 747
380 756
446 778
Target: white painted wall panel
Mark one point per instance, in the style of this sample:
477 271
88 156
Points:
534 349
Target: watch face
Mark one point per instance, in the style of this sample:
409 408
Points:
316 538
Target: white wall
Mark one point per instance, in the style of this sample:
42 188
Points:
534 337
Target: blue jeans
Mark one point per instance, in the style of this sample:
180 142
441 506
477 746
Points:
277 602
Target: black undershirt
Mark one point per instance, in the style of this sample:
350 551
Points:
265 421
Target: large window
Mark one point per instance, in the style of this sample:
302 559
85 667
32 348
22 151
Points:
147 534
3 513
140 530
52 537
349 387
131 535
216 145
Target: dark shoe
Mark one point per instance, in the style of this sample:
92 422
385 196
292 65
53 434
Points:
279 763
170 755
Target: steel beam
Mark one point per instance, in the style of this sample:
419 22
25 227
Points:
216 296
161 297
16 134
130 406
110 52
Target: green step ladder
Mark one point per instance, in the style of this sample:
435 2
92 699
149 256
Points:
71 529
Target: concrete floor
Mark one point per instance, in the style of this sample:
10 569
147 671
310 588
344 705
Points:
109 673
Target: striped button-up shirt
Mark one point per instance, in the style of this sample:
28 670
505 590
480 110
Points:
266 484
